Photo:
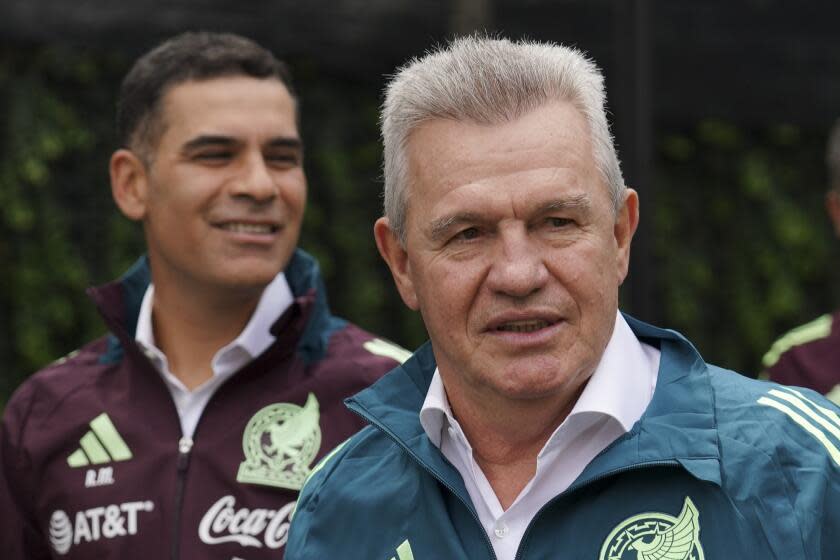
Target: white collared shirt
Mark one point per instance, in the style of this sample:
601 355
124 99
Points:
615 397
254 339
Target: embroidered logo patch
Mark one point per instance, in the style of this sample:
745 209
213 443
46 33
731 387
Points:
656 536
279 443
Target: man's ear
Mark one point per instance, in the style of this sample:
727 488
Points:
832 205
396 257
129 184
626 223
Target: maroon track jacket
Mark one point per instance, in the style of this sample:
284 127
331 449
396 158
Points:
808 356
94 465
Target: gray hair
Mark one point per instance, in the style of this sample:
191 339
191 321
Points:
490 81
832 157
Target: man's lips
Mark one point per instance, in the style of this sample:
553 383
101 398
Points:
523 322
524 326
250 228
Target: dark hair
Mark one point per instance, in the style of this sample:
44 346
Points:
185 57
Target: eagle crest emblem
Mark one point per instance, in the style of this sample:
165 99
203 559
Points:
656 536
280 442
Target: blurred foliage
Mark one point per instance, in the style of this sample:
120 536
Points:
742 244
56 218
341 131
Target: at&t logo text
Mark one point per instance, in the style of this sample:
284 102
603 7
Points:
90 525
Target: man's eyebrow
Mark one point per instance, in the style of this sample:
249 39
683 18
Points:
206 140
285 142
576 202
438 228
219 140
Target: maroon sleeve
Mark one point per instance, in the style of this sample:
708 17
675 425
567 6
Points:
815 365
20 538
786 371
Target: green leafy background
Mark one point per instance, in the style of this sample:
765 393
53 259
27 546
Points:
742 247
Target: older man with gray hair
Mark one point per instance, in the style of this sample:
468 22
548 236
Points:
539 421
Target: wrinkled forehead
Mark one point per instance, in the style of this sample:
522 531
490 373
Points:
442 153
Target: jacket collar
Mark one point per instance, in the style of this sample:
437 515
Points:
678 426
307 322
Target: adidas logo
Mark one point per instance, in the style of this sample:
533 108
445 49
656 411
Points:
102 444
404 552
821 423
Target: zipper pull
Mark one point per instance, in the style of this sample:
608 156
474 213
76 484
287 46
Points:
184 447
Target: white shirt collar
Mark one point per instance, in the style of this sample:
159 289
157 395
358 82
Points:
254 339
622 384
620 388
615 397
435 411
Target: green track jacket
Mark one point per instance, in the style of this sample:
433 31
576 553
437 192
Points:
719 467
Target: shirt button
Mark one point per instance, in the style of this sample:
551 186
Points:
501 530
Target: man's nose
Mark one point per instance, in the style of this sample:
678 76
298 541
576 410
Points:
255 180
518 268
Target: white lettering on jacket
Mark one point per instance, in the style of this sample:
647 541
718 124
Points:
102 477
116 520
224 523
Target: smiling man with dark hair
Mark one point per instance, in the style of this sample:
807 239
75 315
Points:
188 431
